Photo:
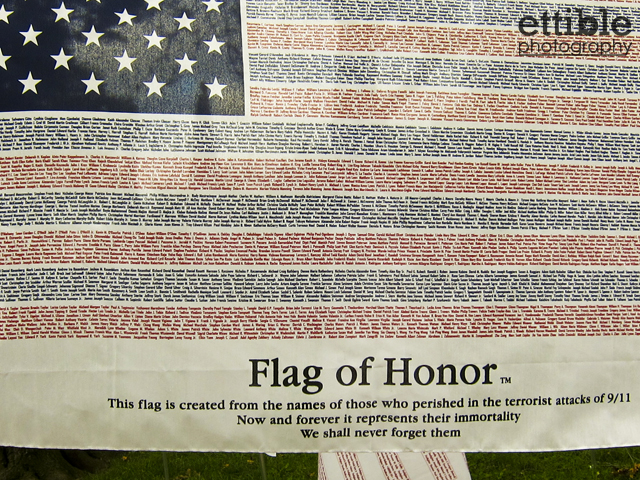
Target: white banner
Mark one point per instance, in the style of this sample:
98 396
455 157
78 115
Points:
321 395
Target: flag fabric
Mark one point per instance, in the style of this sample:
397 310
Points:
315 169
393 466
425 172
151 56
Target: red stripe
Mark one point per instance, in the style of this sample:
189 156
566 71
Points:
423 39
354 174
444 106
440 466
167 248
301 322
322 474
350 465
392 466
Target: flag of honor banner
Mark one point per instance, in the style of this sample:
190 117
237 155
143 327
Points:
309 225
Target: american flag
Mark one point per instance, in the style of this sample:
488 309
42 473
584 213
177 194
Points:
151 56
393 170
399 171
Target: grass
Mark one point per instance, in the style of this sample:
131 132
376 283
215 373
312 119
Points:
606 464
210 466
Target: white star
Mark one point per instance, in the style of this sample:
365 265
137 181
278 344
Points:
184 22
125 17
215 88
212 5
154 40
185 63
29 84
125 61
154 86
153 4
62 12
3 59
93 36
214 45
30 35
62 60
4 14
92 84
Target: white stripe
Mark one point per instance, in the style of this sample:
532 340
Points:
356 232
267 305
480 57
380 87
479 268
81 117
317 193
413 159
461 26
590 3
399 23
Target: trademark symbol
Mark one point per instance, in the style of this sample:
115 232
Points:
505 379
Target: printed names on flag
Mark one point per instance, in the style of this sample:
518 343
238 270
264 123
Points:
355 225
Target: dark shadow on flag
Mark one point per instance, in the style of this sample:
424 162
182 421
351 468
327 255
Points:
184 57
